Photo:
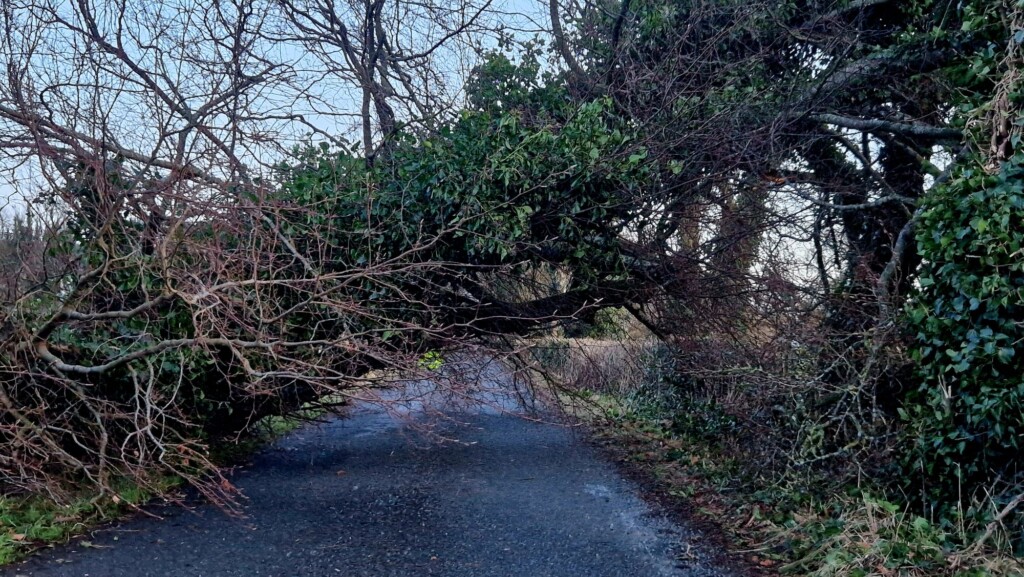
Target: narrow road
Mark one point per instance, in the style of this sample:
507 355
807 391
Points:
485 493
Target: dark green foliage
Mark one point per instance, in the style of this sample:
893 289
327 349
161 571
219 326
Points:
500 85
551 355
487 193
968 414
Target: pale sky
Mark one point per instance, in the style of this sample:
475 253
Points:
135 120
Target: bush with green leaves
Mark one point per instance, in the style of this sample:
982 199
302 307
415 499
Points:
487 190
482 199
967 416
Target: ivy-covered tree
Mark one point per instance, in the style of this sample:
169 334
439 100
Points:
967 315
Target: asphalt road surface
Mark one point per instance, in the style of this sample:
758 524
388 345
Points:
427 488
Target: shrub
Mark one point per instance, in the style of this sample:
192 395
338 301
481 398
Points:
966 416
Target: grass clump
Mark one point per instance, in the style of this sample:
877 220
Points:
30 522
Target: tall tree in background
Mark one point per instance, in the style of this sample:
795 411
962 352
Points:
407 59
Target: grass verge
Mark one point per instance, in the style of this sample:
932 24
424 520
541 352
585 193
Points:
28 523
778 527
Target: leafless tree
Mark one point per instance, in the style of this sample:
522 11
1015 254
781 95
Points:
168 292
406 59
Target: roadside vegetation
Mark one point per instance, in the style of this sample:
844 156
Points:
725 456
781 241
33 522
